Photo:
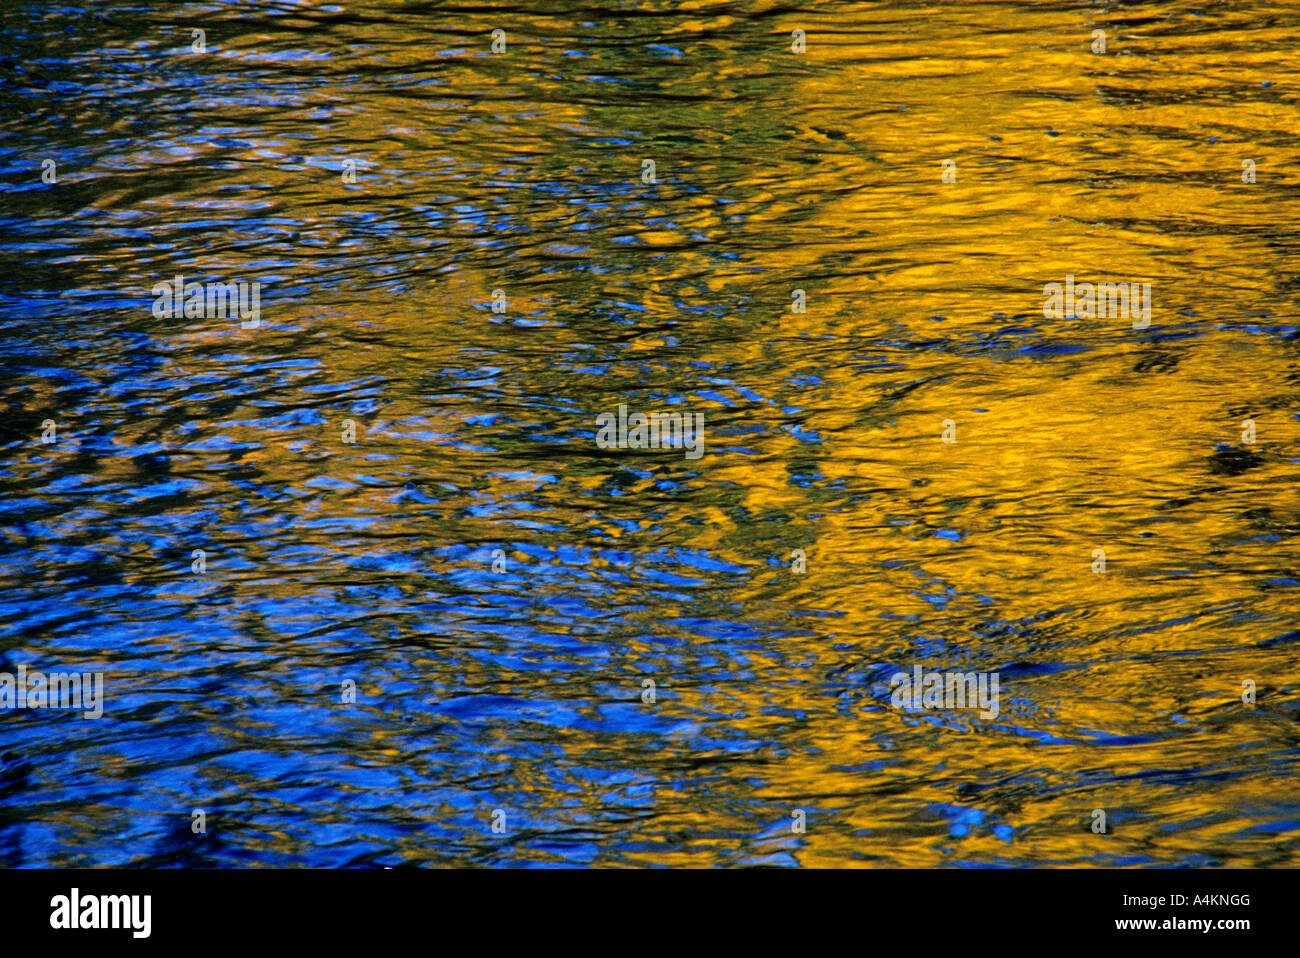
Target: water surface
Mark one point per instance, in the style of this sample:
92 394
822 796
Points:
520 689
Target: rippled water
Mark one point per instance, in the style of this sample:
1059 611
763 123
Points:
521 689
